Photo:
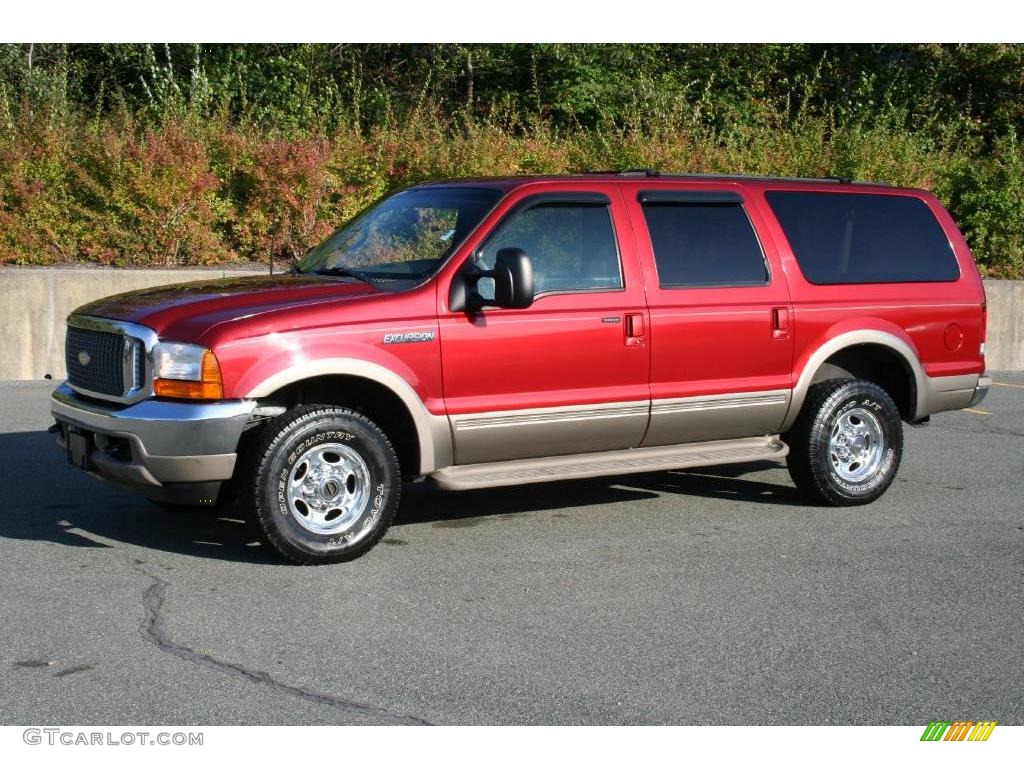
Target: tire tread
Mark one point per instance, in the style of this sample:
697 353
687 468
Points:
271 435
804 463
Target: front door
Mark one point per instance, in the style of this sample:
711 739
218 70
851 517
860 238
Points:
570 373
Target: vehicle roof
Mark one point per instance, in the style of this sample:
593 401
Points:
507 183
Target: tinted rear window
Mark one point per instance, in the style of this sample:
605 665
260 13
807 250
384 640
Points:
862 238
700 244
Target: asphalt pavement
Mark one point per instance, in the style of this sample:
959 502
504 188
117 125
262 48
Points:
710 596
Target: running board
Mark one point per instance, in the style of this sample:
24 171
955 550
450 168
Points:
623 462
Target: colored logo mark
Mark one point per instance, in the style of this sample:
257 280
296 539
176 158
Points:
958 730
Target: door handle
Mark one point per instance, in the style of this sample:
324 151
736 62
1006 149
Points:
634 330
780 322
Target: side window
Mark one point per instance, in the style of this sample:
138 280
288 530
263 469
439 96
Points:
699 244
842 238
571 246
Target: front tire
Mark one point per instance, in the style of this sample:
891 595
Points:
325 484
846 444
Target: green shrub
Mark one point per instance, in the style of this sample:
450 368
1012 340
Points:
148 200
191 186
987 199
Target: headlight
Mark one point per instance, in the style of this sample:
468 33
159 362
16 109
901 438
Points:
186 371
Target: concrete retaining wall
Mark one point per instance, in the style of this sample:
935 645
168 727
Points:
1004 347
35 302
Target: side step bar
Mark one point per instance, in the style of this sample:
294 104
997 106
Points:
623 462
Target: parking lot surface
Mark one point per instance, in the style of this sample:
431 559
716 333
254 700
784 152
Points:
710 596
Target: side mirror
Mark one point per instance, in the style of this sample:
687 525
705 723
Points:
513 284
513 279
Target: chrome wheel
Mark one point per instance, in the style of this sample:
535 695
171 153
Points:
856 445
329 490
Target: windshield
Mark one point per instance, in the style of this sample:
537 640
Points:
405 237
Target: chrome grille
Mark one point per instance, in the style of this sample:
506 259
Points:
95 361
139 359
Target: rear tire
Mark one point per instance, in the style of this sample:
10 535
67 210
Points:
846 445
325 484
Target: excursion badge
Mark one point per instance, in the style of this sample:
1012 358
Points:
408 338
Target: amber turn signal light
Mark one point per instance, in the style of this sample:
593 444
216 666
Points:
209 386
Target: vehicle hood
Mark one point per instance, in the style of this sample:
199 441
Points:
185 311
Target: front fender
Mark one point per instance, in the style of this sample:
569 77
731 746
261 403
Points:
256 368
433 433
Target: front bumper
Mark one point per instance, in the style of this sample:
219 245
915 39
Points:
168 450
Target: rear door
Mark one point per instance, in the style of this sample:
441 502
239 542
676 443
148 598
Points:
570 373
721 320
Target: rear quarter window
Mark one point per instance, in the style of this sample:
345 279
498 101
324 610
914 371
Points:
841 238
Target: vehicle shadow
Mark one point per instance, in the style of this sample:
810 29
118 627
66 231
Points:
424 503
51 502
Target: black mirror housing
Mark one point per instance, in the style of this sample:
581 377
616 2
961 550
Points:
513 284
513 279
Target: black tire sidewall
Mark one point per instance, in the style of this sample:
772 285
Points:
875 401
293 440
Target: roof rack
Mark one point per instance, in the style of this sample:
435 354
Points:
627 172
654 173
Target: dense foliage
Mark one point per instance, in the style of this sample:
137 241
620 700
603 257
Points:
172 155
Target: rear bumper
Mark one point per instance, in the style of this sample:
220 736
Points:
951 393
984 384
157 447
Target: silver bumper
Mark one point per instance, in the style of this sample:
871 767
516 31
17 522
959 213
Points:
152 443
951 393
981 389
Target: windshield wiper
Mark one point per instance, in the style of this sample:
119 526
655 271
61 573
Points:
342 272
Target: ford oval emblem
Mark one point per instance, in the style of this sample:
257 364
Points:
84 357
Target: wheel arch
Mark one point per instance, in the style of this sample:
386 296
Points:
851 342
433 439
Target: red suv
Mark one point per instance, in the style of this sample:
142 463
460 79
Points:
488 332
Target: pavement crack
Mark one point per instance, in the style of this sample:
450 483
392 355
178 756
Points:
154 630
73 670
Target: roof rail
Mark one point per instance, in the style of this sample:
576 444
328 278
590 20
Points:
654 172
627 172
